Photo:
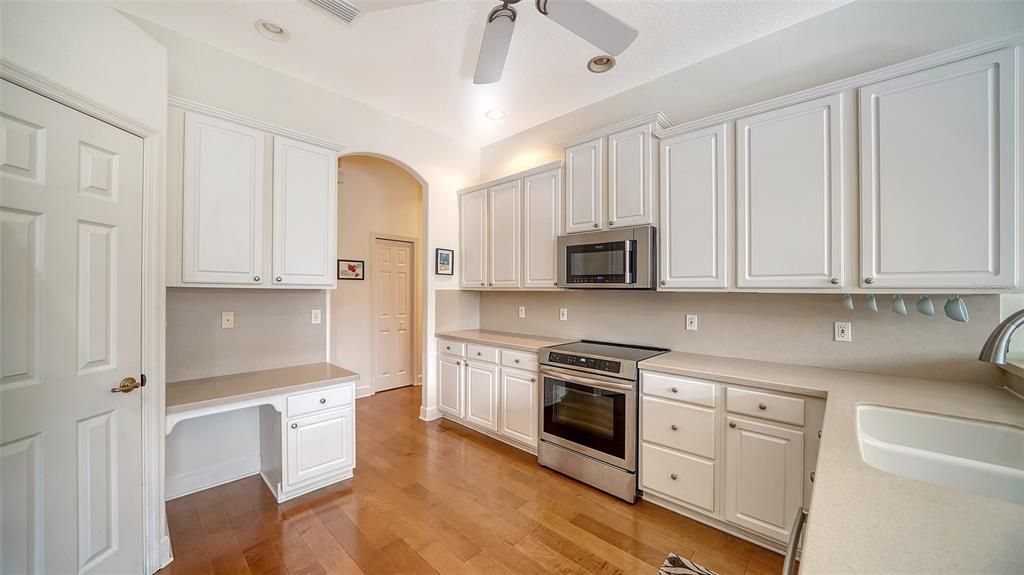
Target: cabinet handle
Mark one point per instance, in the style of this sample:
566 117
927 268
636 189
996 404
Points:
323 400
481 284
611 223
479 354
278 278
256 278
812 477
732 424
674 476
448 347
458 363
597 225
516 360
819 434
490 283
762 407
869 281
533 380
675 390
295 426
675 427
834 281
663 282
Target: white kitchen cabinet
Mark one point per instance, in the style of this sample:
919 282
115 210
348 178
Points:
695 234
222 203
542 222
631 161
685 478
482 394
305 208
504 235
789 203
319 445
584 187
519 405
938 176
473 239
450 385
764 476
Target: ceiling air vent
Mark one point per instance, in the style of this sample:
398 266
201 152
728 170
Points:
341 9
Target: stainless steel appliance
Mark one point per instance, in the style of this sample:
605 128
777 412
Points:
589 413
613 259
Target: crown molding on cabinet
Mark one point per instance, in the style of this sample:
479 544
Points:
193 106
854 82
515 176
659 119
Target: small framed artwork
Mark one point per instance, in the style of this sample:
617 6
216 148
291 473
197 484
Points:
350 269
444 262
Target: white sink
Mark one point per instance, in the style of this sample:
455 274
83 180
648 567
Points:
983 458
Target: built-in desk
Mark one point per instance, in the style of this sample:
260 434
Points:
307 420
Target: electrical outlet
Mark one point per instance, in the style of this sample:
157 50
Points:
691 322
844 331
227 320
563 313
315 316
522 311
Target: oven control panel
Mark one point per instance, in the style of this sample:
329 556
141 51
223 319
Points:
586 362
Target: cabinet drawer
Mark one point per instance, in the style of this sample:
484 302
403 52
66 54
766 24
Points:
320 400
451 347
765 405
680 426
679 388
519 360
683 477
482 353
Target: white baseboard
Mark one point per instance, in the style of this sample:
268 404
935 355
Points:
225 472
429 414
165 551
364 391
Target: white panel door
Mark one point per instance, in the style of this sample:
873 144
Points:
789 182
505 235
305 213
70 311
584 187
764 483
450 388
542 222
392 287
696 175
319 445
630 177
519 405
222 206
473 239
482 394
938 176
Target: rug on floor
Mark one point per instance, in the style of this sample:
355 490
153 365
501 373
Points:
676 565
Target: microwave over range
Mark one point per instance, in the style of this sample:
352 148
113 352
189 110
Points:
625 258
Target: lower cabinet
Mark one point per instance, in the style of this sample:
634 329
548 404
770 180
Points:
319 445
519 405
450 385
679 475
482 395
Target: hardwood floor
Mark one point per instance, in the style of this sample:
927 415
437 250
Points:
439 498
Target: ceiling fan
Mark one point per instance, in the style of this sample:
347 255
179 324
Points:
577 16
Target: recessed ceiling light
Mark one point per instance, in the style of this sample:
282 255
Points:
275 32
600 64
495 115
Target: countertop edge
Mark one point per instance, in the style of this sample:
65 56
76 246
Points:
496 340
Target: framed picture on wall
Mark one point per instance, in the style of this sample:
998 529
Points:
444 262
350 269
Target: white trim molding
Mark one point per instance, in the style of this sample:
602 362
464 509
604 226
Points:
211 476
659 120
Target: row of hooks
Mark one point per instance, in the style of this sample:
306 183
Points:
955 308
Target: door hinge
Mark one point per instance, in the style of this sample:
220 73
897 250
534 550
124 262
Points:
142 380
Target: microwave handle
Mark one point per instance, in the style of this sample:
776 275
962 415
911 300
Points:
629 261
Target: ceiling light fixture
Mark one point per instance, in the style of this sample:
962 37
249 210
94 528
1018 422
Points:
273 31
600 64
495 115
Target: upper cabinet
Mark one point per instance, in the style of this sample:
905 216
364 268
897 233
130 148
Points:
940 176
610 176
789 196
305 208
542 222
504 234
473 238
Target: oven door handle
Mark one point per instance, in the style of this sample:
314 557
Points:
600 384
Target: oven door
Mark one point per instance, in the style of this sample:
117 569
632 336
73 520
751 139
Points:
591 415
603 264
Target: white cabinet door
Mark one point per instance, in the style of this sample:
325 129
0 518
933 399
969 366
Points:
584 187
222 207
696 173
450 385
519 405
305 213
630 177
504 239
473 239
789 196
319 445
938 164
764 468
482 395
542 222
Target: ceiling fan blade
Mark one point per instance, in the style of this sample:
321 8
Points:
590 23
494 49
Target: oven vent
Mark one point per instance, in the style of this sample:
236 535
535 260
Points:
341 9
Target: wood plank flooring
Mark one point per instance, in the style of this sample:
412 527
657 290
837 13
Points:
439 498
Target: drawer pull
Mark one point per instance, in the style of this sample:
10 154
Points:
295 426
674 476
458 363
516 360
448 347
812 477
533 380
675 427
762 406
732 424
675 390
323 400
479 353
256 278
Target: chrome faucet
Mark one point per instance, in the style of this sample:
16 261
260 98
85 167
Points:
995 348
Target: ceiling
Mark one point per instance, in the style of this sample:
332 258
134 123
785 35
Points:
415 58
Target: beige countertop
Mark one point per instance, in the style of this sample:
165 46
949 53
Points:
863 520
213 391
508 340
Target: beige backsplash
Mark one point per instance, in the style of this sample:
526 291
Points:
782 328
457 309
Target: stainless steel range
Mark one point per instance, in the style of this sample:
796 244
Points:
589 415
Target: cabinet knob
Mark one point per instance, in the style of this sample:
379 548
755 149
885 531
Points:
819 434
533 379
762 406
812 477
448 347
554 284
675 390
663 282
323 400
674 476
295 426
479 353
458 363
732 424
516 360
490 283
869 281
675 427
481 284
597 225
278 278
256 278
834 281
611 223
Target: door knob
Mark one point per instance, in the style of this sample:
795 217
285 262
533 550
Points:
128 385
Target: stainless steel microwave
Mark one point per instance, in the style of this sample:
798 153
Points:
614 259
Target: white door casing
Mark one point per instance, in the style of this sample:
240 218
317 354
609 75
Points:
504 235
630 177
542 222
473 239
519 405
584 187
70 302
392 313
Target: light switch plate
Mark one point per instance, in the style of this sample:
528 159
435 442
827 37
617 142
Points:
563 313
315 316
691 322
844 331
227 320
